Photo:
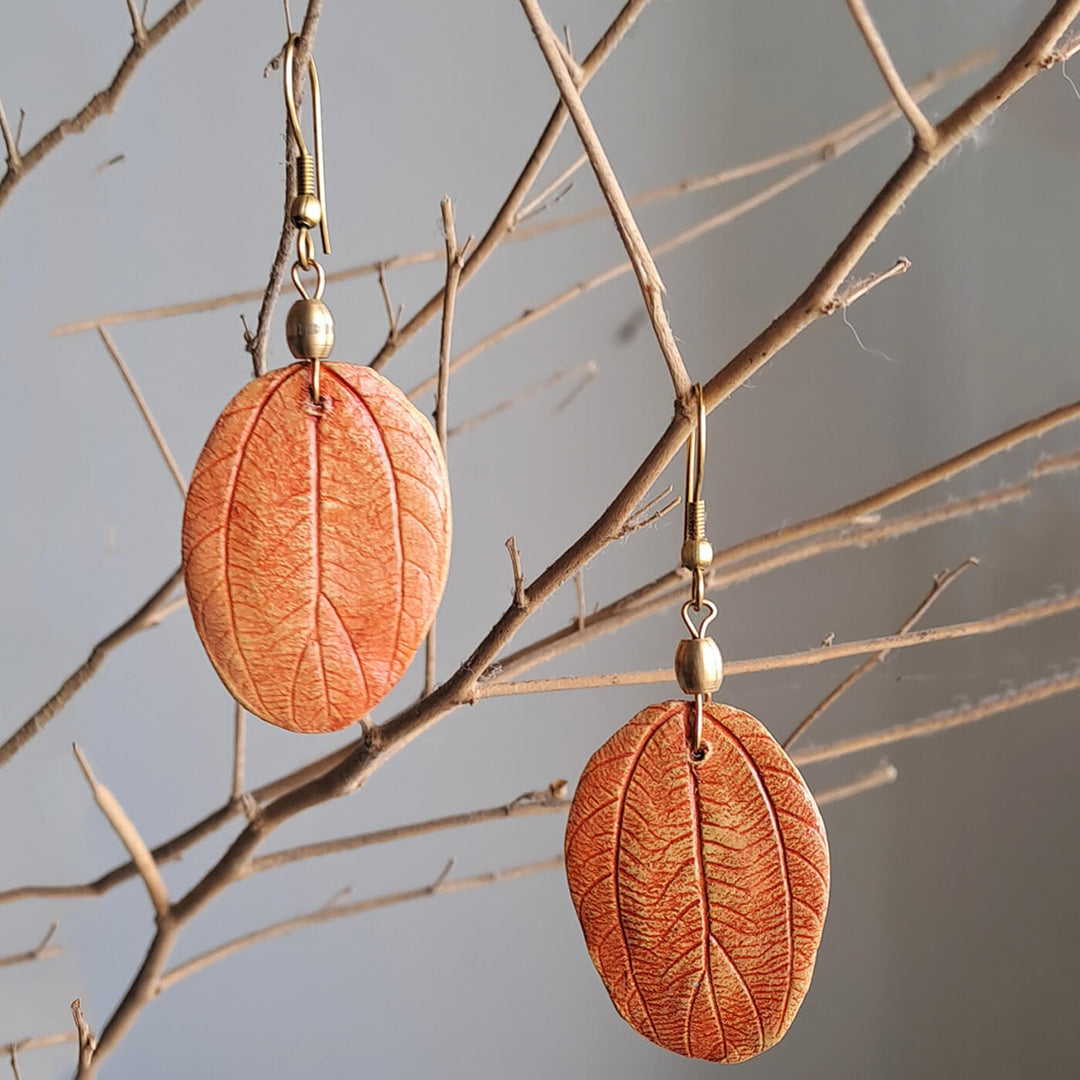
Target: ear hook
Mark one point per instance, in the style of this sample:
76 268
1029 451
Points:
309 207
695 454
696 550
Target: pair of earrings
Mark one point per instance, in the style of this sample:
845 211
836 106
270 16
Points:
316 534
316 543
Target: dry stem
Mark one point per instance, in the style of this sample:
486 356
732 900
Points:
144 408
649 281
41 951
942 721
941 582
925 132
102 103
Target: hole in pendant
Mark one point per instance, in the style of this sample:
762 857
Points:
701 753
317 408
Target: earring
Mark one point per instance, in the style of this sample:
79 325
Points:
696 855
316 534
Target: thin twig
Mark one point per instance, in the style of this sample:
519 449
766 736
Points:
256 343
138 27
11 143
579 588
102 103
652 287
42 951
503 223
942 721
587 371
520 599
560 184
925 132
442 395
1005 620
940 584
239 745
129 837
861 288
438 887
144 408
85 1037
14 1060
827 147
149 614
388 304
882 774
38 1042
550 800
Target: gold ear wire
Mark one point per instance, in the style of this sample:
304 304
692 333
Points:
309 206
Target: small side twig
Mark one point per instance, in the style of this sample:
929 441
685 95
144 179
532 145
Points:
144 408
42 951
138 27
925 132
454 266
860 288
11 143
941 582
328 913
129 837
942 721
652 286
86 1040
883 773
239 750
393 318
579 588
520 599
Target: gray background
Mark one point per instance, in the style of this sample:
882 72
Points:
950 948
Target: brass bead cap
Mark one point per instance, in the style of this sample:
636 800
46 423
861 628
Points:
306 211
697 554
699 667
309 330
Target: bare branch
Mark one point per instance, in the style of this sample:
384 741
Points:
560 184
11 143
239 745
503 223
942 721
391 318
330 913
941 583
925 132
579 587
551 800
138 27
587 371
652 287
453 276
861 288
102 103
40 1042
149 614
87 1043
826 147
144 408
41 951
1035 54
256 343
1021 616
129 837
14 1060
520 599
883 773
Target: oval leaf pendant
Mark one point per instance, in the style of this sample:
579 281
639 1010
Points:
701 886
316 543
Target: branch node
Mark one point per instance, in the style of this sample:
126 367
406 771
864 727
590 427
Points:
521 600
87 1042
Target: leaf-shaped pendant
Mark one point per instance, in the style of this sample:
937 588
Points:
701 885
316 543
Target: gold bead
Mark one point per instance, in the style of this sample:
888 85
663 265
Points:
699 667
306 211
309 330
697 554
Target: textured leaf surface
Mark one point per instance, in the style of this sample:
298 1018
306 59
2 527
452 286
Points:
316 543
701 886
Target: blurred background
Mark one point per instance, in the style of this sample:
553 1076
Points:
949 947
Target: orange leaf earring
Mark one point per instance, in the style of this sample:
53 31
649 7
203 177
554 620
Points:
316 535
696 856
